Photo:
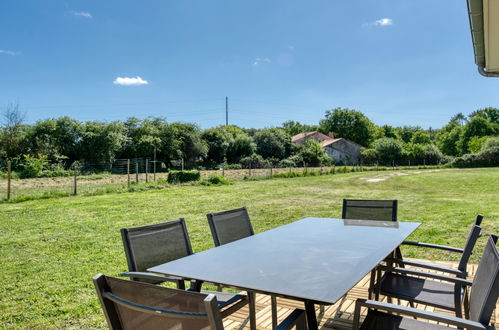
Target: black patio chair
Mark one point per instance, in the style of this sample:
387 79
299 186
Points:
232 225
135 305
382 210
483 298
152 245
397 282
466 252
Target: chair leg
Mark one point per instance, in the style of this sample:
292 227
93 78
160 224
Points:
252 310
273 300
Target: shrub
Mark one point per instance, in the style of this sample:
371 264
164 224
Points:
183 176
389 150
486 157
233 166
219 180
290 174
254 161
32 167
368 156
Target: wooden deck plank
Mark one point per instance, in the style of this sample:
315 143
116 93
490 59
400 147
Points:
337 316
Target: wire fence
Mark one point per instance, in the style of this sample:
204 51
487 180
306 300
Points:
86 178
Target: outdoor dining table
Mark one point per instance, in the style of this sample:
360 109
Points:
314 260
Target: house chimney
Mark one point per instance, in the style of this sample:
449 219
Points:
331 135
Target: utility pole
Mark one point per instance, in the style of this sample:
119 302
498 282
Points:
226 111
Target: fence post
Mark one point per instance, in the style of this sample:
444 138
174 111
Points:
270 170
9 177
136 171
223 169
75 184
182 163
154 166
249 170
128 171
147 170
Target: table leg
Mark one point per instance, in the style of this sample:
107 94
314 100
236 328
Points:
273 300
311 317
196 286
252 309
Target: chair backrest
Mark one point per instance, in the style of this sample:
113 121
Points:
485 288
135 305
469 246
152 245
385 210
229 226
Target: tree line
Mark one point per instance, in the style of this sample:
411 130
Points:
65 140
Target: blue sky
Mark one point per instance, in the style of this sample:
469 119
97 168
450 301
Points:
401 62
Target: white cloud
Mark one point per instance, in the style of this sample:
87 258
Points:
384 22
8 52
84 14
126 81
260 60
379 22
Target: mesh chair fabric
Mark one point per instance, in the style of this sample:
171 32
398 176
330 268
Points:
485 289
384 210
159 297
157 244
230 226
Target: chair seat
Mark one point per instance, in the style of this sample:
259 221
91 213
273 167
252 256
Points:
419 290
384 321
224 298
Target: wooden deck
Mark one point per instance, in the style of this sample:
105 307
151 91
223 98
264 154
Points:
337 316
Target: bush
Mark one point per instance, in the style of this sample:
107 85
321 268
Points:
485 158
290 174
368 156
183 176
219 180
32 167
389 150
233 166
254 161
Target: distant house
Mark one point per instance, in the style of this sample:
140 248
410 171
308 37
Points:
341 151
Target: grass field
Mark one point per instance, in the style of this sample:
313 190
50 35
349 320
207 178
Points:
50 249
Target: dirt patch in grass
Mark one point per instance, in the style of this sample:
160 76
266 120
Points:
386 176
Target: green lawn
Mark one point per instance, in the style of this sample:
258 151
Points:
50 249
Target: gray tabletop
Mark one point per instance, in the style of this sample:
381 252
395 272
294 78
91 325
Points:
313 259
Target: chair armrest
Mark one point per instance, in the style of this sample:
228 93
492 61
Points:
429 266
297 317
459 322
151 276
433 246
425 274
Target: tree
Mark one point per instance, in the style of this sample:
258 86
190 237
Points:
241 146
421 137
273 143
12 131
218 141
57 138
313 154
101 141
188 144
389 150
406 132
387 131
349 124
447 141
492 114
144 137
476 126
293 127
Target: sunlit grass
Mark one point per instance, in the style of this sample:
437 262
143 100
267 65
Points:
51 248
